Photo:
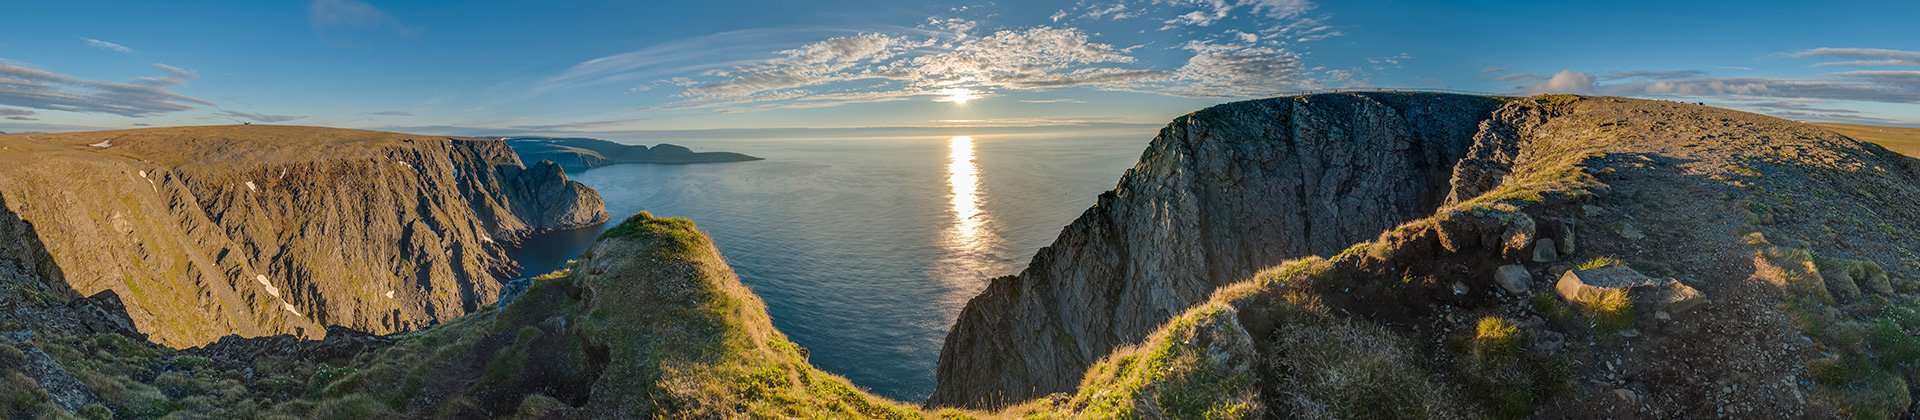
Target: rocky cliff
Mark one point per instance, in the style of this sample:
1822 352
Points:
261 230
1218 195
1592 257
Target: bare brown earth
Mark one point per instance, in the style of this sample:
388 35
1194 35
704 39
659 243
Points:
259 230
1905 140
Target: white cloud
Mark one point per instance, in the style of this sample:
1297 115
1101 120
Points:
109 46
1254 56
1235 70
1017 57
28 87
1207 12
1566 81
831 60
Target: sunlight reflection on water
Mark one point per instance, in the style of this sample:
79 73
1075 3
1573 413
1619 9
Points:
969 240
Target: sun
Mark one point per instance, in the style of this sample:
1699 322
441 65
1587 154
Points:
958 96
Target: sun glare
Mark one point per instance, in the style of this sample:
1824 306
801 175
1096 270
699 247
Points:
958 96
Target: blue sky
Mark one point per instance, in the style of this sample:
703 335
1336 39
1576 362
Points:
620 68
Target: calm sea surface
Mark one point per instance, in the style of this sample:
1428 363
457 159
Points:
866 250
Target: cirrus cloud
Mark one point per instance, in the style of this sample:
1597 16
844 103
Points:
1257 56
25 86
109 46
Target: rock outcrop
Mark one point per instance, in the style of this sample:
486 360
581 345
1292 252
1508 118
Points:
264 230
580 154
1218 195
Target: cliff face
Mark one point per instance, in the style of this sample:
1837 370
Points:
1218 195
260 230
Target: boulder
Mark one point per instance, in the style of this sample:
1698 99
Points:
1675 297
1590 285
1657 295
1513 278
1628 232
1544 251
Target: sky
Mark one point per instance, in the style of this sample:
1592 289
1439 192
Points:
691 68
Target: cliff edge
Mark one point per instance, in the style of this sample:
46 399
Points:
1218 195
259 230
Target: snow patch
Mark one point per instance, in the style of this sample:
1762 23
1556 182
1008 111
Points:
251 187
389 294
143 174
289 308
103 144
275 291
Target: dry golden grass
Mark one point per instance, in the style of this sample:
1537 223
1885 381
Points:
206 146
1899 139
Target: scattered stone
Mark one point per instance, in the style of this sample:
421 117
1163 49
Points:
1459 288
1667 295
1626 395
1662 315
1628 232
1548 341
1544 251
1561 230
1513 278
1675 297
1629 333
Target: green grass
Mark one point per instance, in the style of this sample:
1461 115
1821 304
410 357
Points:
1496 340
1173 374
1873 350
1596 263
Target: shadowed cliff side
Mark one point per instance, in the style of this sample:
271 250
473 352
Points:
1219 194
261 230
1598 258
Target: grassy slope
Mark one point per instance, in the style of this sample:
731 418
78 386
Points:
650 322
202 147
1900 139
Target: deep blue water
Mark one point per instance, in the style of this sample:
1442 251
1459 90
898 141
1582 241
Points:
866 250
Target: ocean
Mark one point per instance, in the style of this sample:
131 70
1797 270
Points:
866 250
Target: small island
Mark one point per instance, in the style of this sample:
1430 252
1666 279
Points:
580 154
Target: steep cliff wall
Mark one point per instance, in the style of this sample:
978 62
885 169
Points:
1219 194
259 230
